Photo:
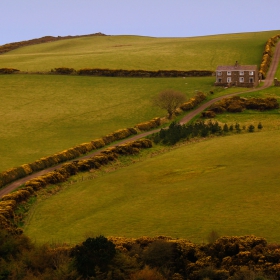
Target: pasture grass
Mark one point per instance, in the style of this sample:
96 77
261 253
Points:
228 184
137 52
45 114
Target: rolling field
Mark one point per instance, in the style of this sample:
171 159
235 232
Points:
45 114
227 184
135 52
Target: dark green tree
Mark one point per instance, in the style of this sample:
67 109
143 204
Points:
91 253
260 126
225 128
251 128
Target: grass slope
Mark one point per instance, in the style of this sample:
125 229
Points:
228 184
135 52
43 114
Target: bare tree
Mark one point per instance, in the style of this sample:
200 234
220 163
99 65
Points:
169 100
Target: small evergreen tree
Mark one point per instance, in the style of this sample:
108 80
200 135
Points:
237 128
231 128
260 126
251 128
225 128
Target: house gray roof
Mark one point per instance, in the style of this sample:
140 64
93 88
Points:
237 68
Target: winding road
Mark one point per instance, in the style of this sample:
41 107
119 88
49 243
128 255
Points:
267 83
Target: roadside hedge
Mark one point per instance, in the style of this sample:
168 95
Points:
238 104
149 124
193 102
267 55
15 173
10 202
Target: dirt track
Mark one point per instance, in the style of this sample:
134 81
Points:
267 83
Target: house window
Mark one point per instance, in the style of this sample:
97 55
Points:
219 73
229 80
251 80
241 73
229 73
219 80
251 73
241 79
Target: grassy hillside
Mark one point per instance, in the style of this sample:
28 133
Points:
43 114
135 52
228 184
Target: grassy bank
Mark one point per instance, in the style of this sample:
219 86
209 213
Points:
136 52
228 184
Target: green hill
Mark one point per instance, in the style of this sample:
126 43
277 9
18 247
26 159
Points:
135 52
45 114
227 184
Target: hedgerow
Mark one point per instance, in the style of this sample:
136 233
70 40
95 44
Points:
15 173
11 201
267 55
239 104
193 102
142 73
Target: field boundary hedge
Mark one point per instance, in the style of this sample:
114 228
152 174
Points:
15 173
12 46
143 73
267 54
11 201
12 174
238 104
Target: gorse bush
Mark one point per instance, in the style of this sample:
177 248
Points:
11 201
228 257
239 104
267 55
15 173
193 102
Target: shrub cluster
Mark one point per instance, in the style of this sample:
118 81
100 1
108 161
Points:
143 73
15 173
193 102
149 124
63 70
8 70
267 55
238 104
11 201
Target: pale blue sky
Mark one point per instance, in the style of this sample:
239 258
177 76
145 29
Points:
28 19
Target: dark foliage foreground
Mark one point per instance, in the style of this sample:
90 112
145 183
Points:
244 257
